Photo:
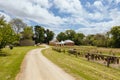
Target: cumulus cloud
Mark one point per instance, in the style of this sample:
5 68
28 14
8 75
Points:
99 5
117 1
69 6
33 11
44 12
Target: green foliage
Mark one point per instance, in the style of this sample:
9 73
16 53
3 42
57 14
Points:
98 40
40 34
71 35
78 39
115 31
61 36
7 35
49 35
27 33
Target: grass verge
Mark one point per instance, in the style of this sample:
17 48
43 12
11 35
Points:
10 61
80 68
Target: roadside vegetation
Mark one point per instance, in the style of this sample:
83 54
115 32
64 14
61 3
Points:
17 33
110 39
81 68
10 61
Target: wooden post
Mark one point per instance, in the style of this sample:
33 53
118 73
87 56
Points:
117 60
108 62
88 56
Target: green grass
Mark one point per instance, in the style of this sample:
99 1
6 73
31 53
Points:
10 61
93 49
80 68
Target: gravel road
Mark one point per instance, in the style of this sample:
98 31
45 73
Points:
37 67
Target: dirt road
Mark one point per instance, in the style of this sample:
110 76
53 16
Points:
37 67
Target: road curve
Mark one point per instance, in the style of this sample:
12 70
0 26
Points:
37 67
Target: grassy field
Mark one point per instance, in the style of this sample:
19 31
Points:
93 49
10 61
80 68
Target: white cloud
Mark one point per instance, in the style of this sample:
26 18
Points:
99 5
102 27
69 6
42 3
117 1
96 16
39 11
36 12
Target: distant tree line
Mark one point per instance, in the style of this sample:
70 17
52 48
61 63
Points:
110 39
15 30
71 35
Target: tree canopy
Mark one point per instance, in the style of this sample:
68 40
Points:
10 33
42 35
48 35
27 33
7 35
115 31
71 35
39 34
17 24
61 36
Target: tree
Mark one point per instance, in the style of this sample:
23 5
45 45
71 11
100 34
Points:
61 36
18 25
115 31
2 23
89 40
70 34
78 39
27 33
7 35
49 35
99 40
39 34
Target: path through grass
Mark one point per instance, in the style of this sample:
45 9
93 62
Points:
10 61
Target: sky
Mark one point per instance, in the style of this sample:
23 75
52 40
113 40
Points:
84 16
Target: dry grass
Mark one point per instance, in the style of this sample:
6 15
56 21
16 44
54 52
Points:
80 67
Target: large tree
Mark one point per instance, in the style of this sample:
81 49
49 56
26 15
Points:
70 34
89 40
39 34
115 31
7 35
18 25
100 40
61 36
49 35
78 39
27 33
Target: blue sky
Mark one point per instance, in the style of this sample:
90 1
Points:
86 16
